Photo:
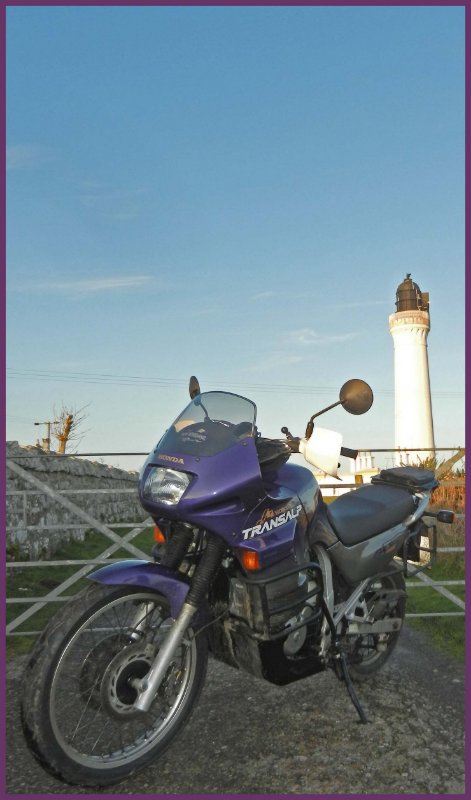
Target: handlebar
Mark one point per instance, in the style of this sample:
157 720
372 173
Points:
293 442
345 451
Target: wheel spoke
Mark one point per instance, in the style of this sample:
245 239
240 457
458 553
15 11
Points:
92 696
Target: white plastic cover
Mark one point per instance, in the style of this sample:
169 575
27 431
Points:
323 450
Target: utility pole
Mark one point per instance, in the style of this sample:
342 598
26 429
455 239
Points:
47 440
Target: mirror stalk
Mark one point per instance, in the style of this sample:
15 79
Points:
310 424
355 396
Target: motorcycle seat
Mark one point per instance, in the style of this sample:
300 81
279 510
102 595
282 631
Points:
368 511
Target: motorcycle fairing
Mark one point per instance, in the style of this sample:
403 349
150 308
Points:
232 491
146 575
368 558
362 559
223 489
228 496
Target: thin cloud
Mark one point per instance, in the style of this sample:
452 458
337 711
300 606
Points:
275 360
91 285
359 304
28 156
271 294
113 203
91 185
265 295
103 284
308 336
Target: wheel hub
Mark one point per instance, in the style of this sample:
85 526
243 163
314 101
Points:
94 666
117 692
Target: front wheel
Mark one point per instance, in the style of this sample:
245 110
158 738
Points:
77 707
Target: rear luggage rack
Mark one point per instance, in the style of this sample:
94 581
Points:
413 479
412 549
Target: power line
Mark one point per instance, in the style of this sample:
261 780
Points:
146 382
139 380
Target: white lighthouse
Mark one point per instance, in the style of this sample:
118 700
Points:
409 328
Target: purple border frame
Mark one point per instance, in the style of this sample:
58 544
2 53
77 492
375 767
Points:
466 4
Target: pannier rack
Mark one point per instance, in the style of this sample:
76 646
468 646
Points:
412 549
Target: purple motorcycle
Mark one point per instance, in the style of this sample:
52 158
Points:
252 566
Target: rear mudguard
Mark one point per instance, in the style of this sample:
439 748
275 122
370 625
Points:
148 575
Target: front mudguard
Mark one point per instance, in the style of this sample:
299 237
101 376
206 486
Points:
148 575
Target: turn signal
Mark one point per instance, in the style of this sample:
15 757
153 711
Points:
250 560
159 536
446 516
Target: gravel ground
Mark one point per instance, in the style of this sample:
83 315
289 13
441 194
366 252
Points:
248 736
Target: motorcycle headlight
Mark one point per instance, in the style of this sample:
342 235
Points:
165 485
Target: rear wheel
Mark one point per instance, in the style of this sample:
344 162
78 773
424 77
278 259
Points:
366 654
78 710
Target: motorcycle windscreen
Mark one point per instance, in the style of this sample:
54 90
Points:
211 423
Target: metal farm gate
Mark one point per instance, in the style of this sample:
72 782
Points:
125 542
85 566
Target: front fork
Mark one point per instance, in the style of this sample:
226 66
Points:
204 574
148 686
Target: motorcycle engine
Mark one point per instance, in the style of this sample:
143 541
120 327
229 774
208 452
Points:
264 608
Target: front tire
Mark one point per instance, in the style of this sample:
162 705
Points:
77 706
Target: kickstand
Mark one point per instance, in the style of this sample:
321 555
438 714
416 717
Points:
339 657
348 682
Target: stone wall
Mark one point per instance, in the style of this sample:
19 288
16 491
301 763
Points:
61 472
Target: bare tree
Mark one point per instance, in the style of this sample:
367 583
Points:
67 426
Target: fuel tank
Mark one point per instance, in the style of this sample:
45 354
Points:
277 525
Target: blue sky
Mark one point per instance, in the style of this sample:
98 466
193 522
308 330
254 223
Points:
235 193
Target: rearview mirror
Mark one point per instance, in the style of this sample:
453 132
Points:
194 387
356 396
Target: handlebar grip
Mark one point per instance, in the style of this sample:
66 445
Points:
345 451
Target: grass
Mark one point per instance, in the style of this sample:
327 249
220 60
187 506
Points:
38 581
447 633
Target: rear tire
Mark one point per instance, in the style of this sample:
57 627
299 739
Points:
367 654
77 706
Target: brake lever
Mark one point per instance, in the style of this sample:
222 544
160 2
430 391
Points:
293 441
